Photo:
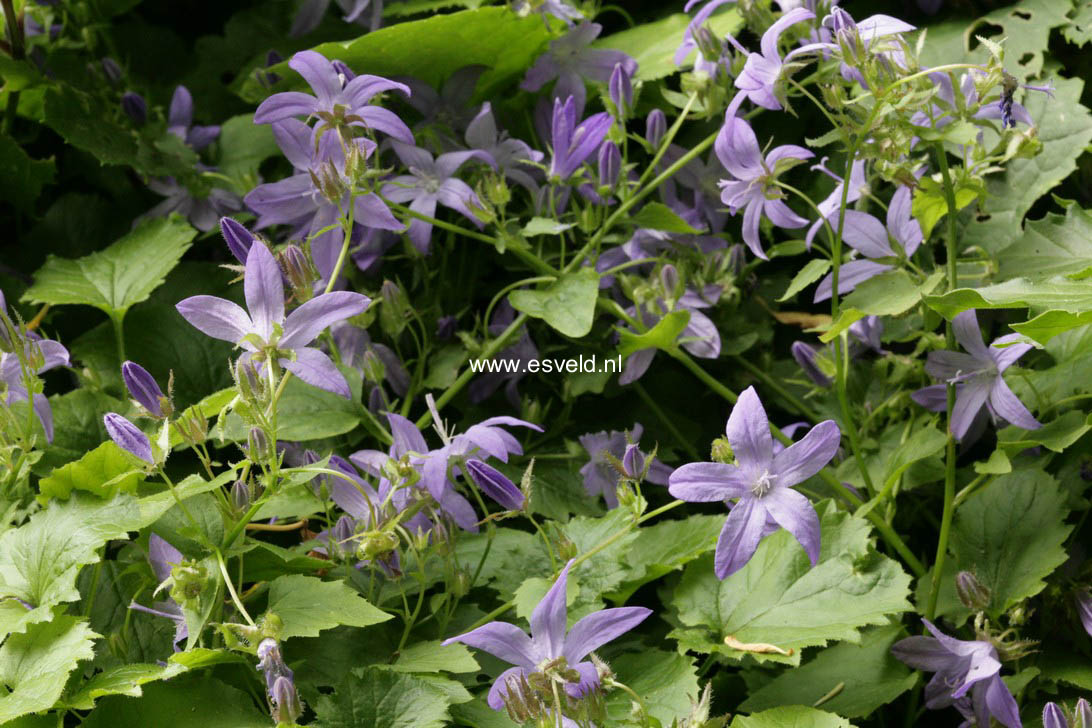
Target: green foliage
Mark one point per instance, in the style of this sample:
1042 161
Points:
779 599
889 294
22 178
121 680
661 336
35 663
664 547
791 716
666 682
308 413
653 44
658 216
184 702
307 605
567 305
244 146
812 271
383 699
1056 245
105 472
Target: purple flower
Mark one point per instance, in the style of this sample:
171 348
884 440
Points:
752 183
867 235
143 388
311 13
450 106
47 354
549 641
1084 609
266 329
134 105
700 337
694 31
202 212
977 376
620 89
829 207
180 121
237 237
128 437
570 60
309 200
510 155
758 79
338 99
495 484
547 8
431 181
162 556
601 476
762 480
572 143
960 667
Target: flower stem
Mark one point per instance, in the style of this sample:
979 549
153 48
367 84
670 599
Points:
231 589
949 337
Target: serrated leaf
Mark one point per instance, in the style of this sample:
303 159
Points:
1057 293
868 674
810 273
121 680
1056 435
307 605
22 178
666 682
608 569
244 145
381 698
779 599
436 657
35 664
661 336
123 274
105 472
1056 245
544 226
658 216
791 716
567 305
888 294
184 702
1079 30
83 122
664 547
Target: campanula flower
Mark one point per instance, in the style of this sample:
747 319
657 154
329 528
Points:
128 437
1055 717
571 60
449 108
760 74
431 181
266 330
700 337
751 186
868 236
311 13
977 376
548 8
960 667
43 355
600 474
762 480
829 207
162 557
180 121
510 155
143 388
338 98
495 484
550 642
692 33
571 143
201 212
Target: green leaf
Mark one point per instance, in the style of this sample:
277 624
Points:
184 702
1011 535
568 305
431 49
544 226
661 336
1055 436
1053 246
435 657
244 145
116 278
84 122
608 569
658 216
779 599
868 674
888 294
1058 293
307 606
930 203
380 698
664 547
653 44
22 178
1068 667
810 273
35 664
998 464
1065 129
1047 325
199 657
924 443
667 682
308 413
1079 30
105 471
557 489
475 714
121 680
791 716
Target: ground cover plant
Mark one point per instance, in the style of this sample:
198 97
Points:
545 364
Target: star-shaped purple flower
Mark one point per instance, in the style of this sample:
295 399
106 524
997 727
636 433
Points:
573 143
162 556
758 79
960 667
570 60
762 480
266 331
550 641
510 155
977 376
601 476
867 235
50 354
751 185
180 121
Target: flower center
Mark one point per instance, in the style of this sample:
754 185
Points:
762 484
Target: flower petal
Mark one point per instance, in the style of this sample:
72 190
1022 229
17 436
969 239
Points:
748 431
319 73
707 482
215 317
309 320
865 233
794 512
599 628
285 105
1008 405
969 336
739 537
264 290
803 459
315 368
969 400
500 639
549 617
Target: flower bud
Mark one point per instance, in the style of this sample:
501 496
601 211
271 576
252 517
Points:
620 88
972 592
111 70
494 190
1084 609
709 45
341 536
285 699
495 484
669 280
8 333
721 452
126 436
188 581
807 357
445 328
1082 715
633 462
392 314
251 386
240 495
143 388
238 238
257 444
737 258
299 271
655 127
372 367
1053 717
134 105
610 167
375 544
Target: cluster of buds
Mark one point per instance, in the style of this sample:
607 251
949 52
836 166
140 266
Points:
299 271
538 697
279 683
187 583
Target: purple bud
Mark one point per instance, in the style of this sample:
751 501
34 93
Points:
495 485
610 165
299 271
286 702
805 356
343 71
143 388
341 535
669 279
272 58
445 328
376 403
633 462
238 238
1053 717
111 70
1083 714
126 436
257 444
133 104
737 258
971 591
621 90
655 127
240 495
1084 609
